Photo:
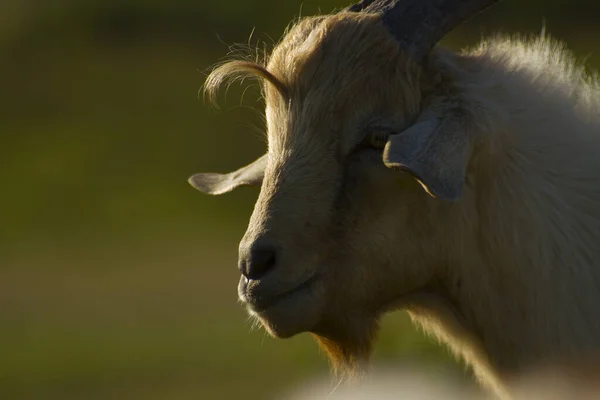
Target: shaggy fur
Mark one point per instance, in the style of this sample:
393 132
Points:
509 275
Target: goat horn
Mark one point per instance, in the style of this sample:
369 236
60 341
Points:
419 24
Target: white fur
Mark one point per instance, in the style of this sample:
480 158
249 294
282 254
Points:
527 254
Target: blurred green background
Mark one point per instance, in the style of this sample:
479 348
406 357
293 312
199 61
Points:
117 280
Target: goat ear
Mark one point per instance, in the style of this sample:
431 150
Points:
211 183
435 150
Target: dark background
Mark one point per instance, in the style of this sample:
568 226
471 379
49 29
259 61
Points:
117 280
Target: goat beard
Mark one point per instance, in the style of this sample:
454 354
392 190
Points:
349 348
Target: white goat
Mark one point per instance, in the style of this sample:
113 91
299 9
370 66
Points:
502 261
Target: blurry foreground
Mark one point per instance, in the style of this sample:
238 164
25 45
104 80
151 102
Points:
416 383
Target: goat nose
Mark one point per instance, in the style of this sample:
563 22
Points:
260 260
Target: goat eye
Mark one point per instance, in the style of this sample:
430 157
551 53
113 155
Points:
375 139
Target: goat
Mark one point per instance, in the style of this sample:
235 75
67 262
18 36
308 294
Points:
460 187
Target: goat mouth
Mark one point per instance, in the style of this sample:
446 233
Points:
260 303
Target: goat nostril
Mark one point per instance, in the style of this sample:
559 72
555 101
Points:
260 261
